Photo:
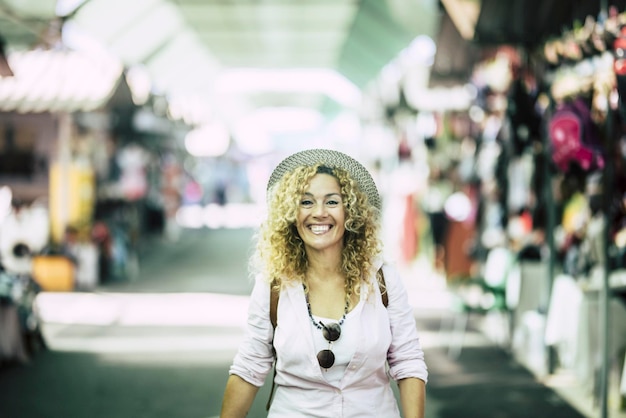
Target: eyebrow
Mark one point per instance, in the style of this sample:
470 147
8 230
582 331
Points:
325 196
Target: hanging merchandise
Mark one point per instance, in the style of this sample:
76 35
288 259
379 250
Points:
617 252
617 213
522 111
589 86
619 67
133 160
574 137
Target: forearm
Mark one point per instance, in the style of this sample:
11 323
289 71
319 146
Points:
412 397
238 397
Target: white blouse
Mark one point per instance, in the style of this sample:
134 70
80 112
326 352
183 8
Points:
387 347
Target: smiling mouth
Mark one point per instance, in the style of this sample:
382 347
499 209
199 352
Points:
319 229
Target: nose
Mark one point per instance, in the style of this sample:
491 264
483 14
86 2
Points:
319 210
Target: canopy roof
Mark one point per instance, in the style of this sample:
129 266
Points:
186 45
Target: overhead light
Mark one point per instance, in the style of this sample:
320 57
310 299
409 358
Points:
303 80
285 119
422 51
255 133
211 140
252 139
458 207
140 84
5 69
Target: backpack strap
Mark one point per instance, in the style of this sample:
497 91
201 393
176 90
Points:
269 401
274 294
380 275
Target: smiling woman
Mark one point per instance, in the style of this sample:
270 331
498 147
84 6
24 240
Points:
316 312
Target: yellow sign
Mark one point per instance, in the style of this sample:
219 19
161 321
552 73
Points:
72 199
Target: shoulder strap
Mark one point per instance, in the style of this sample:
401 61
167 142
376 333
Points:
274 294
380 275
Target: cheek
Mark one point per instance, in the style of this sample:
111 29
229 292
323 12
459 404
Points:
299 220
298 227
342 219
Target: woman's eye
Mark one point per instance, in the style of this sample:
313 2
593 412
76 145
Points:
306 202
332 203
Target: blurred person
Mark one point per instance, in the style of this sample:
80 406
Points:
24 232
339 335
15 251
438 190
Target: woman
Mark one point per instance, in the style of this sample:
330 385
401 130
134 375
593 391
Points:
337 345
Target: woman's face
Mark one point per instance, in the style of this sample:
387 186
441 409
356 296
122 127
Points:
321 215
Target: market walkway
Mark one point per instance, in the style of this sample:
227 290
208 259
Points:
160 346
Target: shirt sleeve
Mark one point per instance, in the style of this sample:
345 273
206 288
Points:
255 357
405 355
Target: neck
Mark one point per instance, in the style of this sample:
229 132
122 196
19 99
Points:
324 266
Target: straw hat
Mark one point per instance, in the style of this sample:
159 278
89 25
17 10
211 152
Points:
330 159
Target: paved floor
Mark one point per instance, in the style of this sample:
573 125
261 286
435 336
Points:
160 346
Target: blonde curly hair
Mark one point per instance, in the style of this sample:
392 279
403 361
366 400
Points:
280 253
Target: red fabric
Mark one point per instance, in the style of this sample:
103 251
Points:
409 239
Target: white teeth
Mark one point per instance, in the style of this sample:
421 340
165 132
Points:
319 229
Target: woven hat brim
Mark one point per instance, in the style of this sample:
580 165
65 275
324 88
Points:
331 159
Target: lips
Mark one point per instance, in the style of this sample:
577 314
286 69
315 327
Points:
319 229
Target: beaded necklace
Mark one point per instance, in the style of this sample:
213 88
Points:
320 325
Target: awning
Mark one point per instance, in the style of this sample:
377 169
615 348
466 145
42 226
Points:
57 80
